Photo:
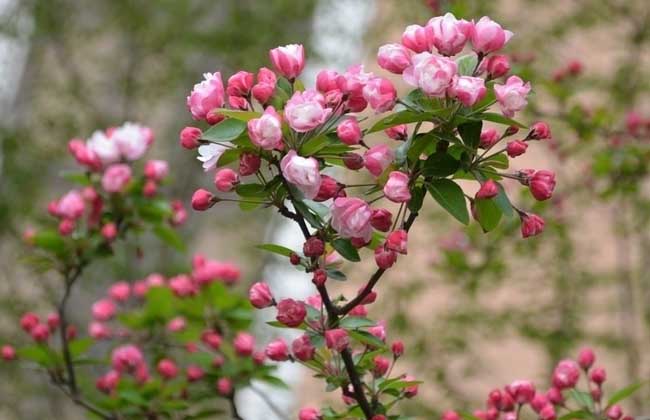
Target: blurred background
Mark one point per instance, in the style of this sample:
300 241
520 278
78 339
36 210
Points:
480 310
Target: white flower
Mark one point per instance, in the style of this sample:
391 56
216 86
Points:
105 148
131 140
210 154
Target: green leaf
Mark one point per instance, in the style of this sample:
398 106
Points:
276 249
417 198
366 338
160 303
582 398
314 145
624 393
402 117
488 213
451 197
577 414
80 178
336 274
49 240
275 382
503 202
239 115
353 322
169 236
346 249
251 190
497 118
80 346
38 354
154 211
440 165
470 132
466 64
229 156
313 219
227 130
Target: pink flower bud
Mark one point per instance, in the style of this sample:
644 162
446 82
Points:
150 188
167 369
521 391
349 131
28 321
238 102
378 158
224 387
126 358
120 291
539 401
397 132
548 413
397 241
109 231
614 412
384 257
351 218
182 286
412 390
66 227
380 94
488 36
202 200
468 90
397 187
596 394
516 148
417 38
194 373
291 313
211 339
542 184
277 350
289 60
260 295
176 324
512 96
53 321
327 81
531 225
225 180
264 75
302 172
244 344
108 382
99 331
320 277
489 137
586 358
249 163
313 247
381 220
70 206
116 177
394 58
397 348
214 117
380 366
329 188
495 399
294 258
8 353
266 131
450 415
309 413
379 331
359 310
303 349
497 66
156 170
450 34
353 161
103 310
633 122
240 84
206 96
539 131
337 339
489 189
554 396
598 376
566 374
263 92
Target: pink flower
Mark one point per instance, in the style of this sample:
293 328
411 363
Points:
614 412
109 231
397 348
598 376
66 227
240 84
410 391
381 220
176 324
206 96
126 358
547 413
167 369
108 382
349 132
211 339
99 331
8 353
260 295
521 391
353 161
301 172
488 36
306 110
40 333
385 258
397 132
489 189
116 177
566 374
266 131
489 137
516 148
313 247
70 206
277 350
266 81
194 373
380 94
303 349
103 310
132 140
394 57
378 158
238 102
397 241
512 95
337 339
289 60
202 200
450 415
468 90
431 73
450 34
182 285
120 291
327 81
531 225
397 187
542 184
329 188
540 131
225 180
309 413
381 365
418 38
351 218
497 66
53 321
291 313
249 163
244 344
224 386
190 137
156 170
586 358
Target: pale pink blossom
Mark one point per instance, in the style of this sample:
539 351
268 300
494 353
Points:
206 96
450 34
512 95
266 131
301 172
288 60
306 110
351 218
432 73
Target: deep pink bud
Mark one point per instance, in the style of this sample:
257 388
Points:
329 188
313 247
397 241
418 38
394 58
291 313
66 227
548 413
539 401
224 387
450 415
8 353
40 333
29 321
120 291
249 163
349 131
497 66
542 184
194 373
381 365
531 225
277 350
327 80
397 132
412 390
294 258
320 277
303 349
309 413
489 189
167 369
586 358
384 257
566 374
614 412
190 137
260 295
337 339
108 382
378 158
244 344
359 310
103 310
225 180
353 161
109 231
202 200
516 148
211 339
540 131
495 399
99 331
397 348
596 393
53 321
263 92
176 324
522 392
381 220
598 376
554 396
378 331
240 84
150 188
